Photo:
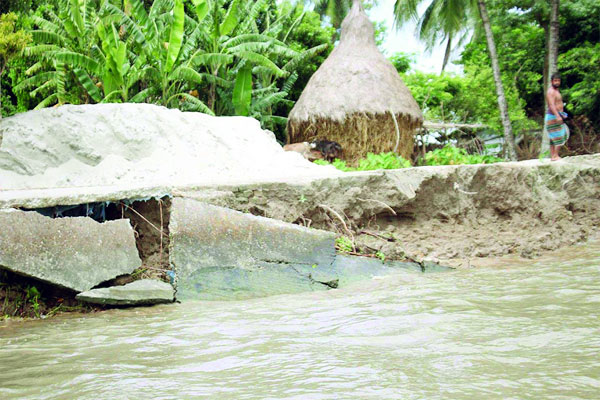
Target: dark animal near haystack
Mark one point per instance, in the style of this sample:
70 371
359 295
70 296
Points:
317 150
328 148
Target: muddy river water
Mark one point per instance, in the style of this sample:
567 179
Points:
509 331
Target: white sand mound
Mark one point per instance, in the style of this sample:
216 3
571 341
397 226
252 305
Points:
140 144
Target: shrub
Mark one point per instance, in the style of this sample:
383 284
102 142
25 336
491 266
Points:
450 155
372 162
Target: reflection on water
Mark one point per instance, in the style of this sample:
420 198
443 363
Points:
519 332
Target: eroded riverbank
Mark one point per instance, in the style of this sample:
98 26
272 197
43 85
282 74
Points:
456 215
453 215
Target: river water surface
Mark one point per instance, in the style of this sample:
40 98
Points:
528 331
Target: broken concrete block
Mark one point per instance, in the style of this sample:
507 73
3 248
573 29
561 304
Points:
75 253
207 241
352 268
235 283
142 292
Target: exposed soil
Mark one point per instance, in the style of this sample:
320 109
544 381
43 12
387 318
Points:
150 222
464 243
22 297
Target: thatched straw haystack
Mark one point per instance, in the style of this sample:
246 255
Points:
351 98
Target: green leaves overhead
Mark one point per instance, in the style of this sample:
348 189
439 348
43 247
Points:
230 20
201 8
259 59
213 59
78 60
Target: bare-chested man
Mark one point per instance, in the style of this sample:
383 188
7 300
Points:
555 125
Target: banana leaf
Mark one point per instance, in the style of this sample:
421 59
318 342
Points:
230 20
242 91
176 39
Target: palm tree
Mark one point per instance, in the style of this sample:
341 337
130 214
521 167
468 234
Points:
454 17
447 17
502 103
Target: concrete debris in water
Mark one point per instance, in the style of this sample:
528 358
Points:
142 292
206 238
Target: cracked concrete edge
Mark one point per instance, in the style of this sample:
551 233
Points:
406 181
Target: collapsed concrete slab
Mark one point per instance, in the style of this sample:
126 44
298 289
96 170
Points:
142 292
74 253
214 248
237 283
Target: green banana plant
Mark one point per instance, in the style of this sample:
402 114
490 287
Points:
231 50
72 31
86 51
274 92
158 37
216 59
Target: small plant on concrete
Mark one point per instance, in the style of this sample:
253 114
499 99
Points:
339 164
381 256
344 244
33 297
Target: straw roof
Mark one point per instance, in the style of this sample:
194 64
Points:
355 82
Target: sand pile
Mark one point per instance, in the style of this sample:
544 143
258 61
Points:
140 144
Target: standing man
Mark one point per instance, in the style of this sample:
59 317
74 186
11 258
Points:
555 125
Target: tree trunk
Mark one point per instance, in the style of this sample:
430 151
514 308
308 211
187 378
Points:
502 104
552 41
447 53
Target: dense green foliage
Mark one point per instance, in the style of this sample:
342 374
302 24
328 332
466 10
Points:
219 57
520 28
12 43
468 98
12 40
